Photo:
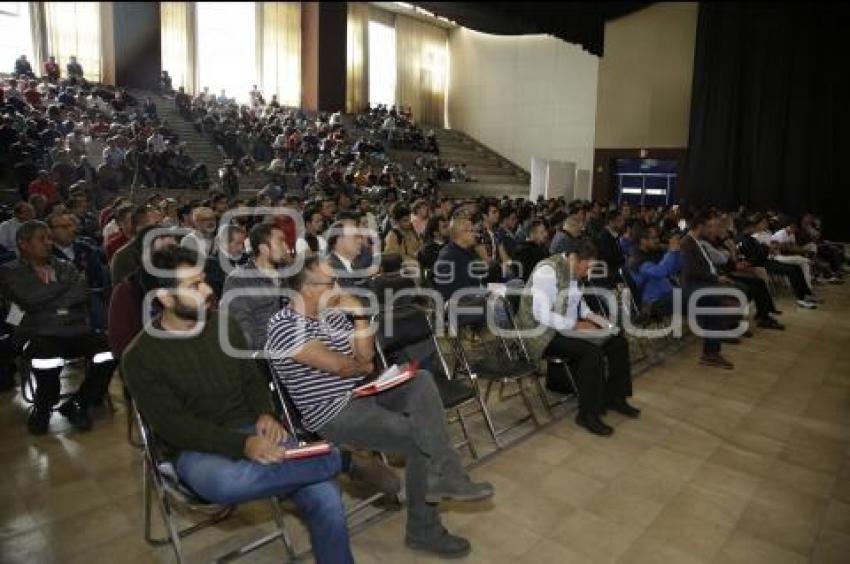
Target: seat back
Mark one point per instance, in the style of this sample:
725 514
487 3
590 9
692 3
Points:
164 474
635 302
283 401
387 285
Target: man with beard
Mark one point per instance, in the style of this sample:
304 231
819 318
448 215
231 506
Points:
262 276
214 413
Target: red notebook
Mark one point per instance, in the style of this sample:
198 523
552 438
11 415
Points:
390 378
307 450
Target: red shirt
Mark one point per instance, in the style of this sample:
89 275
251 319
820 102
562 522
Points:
114 243
287 225
46 188
51 69
32 96
125 315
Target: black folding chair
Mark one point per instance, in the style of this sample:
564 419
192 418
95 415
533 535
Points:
161 483
503 361
293 423
405 333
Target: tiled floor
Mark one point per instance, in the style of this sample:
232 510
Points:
745 466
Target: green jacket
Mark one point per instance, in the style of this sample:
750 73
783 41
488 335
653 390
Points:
537 341
193 395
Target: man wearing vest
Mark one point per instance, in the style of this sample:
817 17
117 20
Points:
572 332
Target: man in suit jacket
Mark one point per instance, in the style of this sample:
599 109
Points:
699 272
350 264
608 249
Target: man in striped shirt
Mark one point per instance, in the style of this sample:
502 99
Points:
320 356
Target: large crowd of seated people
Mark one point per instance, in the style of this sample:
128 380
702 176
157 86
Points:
60 133
152 286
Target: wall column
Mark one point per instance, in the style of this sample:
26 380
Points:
323 55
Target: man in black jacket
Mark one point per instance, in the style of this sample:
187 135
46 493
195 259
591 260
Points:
698 272
608 250
54 299
531 251
90 262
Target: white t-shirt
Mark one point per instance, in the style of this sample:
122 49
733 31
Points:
301 245
783 237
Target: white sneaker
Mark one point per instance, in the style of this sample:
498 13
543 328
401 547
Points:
807 304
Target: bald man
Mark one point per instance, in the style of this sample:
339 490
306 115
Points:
458 266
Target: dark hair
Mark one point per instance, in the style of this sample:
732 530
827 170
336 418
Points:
505 212
613 215
228 231
535 223
584 249
169 259
418 204
335 232
700 219
139 212
432 228
297 281
260 235
400 211
310 212
28 229
20 207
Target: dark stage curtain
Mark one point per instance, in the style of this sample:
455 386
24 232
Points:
769 114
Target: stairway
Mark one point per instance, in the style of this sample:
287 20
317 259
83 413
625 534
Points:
199 146
493 175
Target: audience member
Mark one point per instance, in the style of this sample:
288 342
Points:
571 332
320 357
52 294
215 414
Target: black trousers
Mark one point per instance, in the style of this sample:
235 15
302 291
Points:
587 360
7 355
710 322
794 274
45 350
756 289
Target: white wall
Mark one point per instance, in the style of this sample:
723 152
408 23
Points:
525 96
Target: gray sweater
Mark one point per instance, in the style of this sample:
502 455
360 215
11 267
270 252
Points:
252 312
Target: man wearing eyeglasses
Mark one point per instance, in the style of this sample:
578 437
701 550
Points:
321 356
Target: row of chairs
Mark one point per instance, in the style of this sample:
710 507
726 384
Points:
405 332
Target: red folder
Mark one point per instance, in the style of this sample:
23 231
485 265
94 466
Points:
307 450
391 377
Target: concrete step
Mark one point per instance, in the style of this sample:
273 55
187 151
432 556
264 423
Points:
486 189
498 179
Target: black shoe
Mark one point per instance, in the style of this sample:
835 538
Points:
562 387
594 424
7 378
776 312
77 414
731 340
38 421
443 544
623 408
770 323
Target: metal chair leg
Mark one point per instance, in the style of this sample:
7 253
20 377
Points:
467 439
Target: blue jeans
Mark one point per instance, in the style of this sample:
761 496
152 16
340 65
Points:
308 482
